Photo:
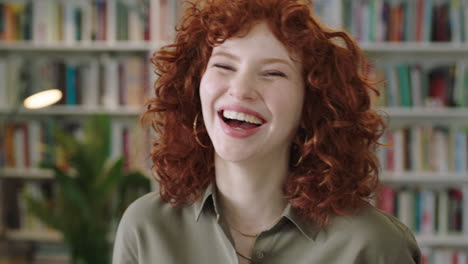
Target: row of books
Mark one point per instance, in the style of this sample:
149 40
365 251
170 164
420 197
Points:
87 20
398 20
425 148
422 85
107 81
14 252
18 216
427 211
443 256
25 144
51 253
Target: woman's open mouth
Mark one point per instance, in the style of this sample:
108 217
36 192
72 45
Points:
239 124
238 120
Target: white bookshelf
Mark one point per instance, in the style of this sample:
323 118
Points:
26 173
395 113
37 236
440 179
455 240
419 50
91 46
431 114
412 48
427 54
437 179
43 45
76 110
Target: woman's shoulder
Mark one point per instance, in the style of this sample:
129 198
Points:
146 204
369 236
376 235
371 224
150 211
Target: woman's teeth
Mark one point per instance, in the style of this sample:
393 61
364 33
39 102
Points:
241 117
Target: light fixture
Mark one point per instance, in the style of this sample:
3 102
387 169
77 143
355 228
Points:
43 99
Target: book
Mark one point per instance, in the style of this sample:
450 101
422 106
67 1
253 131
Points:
3 82
90 73
110 96
404 85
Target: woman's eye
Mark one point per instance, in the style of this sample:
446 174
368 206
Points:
224 67
276 73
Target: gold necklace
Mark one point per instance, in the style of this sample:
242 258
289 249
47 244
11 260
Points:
244 234
238 253
252 235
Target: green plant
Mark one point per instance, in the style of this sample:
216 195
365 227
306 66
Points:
92 192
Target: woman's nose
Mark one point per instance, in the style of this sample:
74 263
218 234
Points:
243 87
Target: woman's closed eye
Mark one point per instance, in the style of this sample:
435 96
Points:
276 73
224 67
268 73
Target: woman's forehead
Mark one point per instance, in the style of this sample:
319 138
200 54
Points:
259 41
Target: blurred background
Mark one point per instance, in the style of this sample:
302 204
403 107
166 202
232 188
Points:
74 156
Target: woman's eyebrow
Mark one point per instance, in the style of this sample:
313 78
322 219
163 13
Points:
277 60
225 54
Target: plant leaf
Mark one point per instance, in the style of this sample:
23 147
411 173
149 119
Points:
71 192
110 181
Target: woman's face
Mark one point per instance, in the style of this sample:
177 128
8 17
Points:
252 94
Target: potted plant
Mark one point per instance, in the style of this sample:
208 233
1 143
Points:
92 192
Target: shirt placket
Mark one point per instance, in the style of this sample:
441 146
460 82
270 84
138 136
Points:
263 247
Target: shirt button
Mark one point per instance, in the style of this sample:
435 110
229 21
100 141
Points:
260 254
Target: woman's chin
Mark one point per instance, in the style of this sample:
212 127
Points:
234 155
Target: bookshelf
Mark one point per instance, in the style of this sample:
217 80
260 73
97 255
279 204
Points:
430 179
106 44
25 173
98 46
103 39
415 48
455 241
73 110
420 49
22 235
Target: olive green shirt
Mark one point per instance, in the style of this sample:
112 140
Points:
155 232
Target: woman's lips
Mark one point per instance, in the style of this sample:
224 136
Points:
238 130
241 109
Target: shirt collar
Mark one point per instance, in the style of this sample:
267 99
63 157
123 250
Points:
209 195
304 226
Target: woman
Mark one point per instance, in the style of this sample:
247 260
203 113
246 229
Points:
266 146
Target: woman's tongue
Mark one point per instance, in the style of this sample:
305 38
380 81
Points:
241 124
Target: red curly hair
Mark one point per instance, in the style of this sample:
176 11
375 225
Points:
333 167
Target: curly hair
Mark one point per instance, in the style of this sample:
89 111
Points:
333 166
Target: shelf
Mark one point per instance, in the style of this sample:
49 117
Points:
34 173
68 110
80 46
440 179
425 113
122 46
394 178
414 47
394 112
458 240
49 236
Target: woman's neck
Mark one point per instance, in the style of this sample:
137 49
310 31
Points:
251 194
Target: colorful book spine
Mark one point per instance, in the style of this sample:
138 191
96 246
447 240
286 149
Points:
426 211
71 89
399 20
70 21
423 148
